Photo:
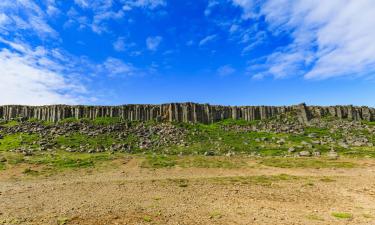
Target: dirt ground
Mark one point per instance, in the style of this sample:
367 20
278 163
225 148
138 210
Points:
130 194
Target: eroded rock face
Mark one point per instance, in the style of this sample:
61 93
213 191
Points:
183 112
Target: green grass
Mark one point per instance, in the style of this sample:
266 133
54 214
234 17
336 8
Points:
342 215
64 160
147 219
159 161
359 152
11 123
167 161
29 171
2 166
18 140
305 163
75 140
60 160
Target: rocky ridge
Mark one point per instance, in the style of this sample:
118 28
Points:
183 112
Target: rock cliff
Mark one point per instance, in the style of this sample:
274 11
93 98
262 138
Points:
183 112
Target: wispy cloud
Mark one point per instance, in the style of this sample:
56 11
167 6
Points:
148 4
328 39
207 39
153 42
17 16
226 70
32 76
116 68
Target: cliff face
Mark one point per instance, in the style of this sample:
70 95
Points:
183 112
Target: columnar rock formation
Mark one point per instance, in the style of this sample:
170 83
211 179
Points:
182 112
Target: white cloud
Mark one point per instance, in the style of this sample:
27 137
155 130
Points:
32 77
115 67
210 6
82 3
207 39
329 38
153 42
247 7
149 4
226 70
119 44
25 15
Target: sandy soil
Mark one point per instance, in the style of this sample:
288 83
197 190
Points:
129 194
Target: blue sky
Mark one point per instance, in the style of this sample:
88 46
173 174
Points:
231 52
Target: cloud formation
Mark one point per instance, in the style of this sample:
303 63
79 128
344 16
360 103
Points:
328 38
32 76
153 42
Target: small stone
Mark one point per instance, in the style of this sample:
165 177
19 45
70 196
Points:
291 150
333 155
209 153
3 159
304 154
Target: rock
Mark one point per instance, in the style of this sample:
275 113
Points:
304 154
2 159
316 153
230 153
1 136
209 153
280 142
291 150
332 155
343 145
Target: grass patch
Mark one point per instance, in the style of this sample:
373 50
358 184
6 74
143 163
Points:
168 161
64 160
2 166
327 179
342 215
305 163
258 180
14 141
215 215
210 162
147 219
314 217
62 221
29 171
159 161
11 123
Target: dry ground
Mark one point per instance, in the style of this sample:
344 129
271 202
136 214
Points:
126 193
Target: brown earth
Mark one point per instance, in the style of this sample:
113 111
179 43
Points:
129 194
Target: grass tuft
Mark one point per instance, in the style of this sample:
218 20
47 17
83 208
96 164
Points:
342 215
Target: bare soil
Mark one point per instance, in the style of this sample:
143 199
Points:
126 193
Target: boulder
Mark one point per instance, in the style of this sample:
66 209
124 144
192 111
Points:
304 154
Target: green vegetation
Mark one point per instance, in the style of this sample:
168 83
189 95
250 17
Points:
159 161
305 163
2 166
342 215
18 140
11 123
62 221
314 217
147 218
58 161
75 140
167 161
